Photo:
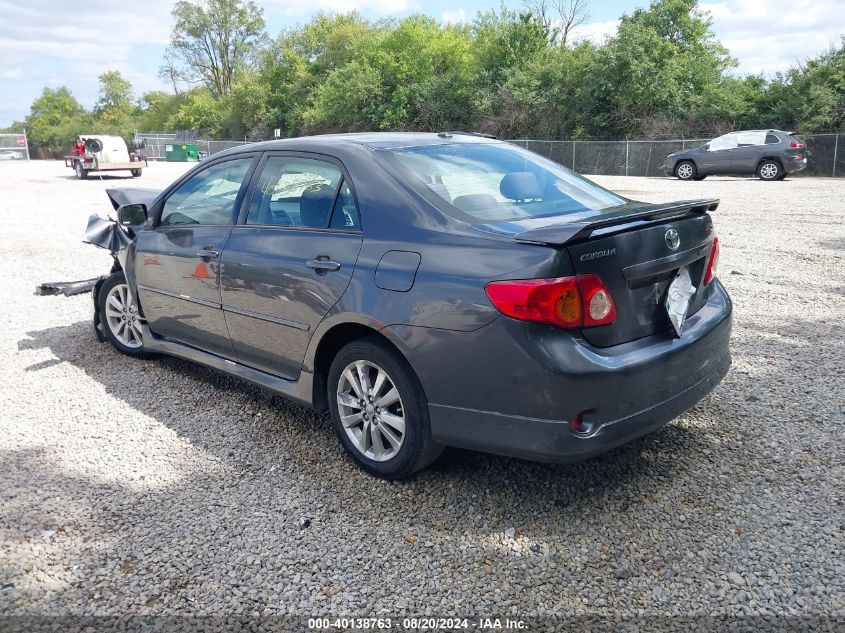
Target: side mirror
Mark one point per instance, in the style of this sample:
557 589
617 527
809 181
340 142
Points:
132 214
705 146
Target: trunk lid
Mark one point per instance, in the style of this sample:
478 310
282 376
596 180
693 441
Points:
631 249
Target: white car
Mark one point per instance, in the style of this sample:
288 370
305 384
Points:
10 154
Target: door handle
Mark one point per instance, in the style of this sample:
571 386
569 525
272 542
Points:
322 264
208 253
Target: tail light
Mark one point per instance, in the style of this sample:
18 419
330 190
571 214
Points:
713 264
565 302
796 145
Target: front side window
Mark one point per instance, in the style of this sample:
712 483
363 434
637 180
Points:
728 141
294 192
207 197
496 182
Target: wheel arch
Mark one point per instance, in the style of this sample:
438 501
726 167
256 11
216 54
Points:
322 352
685 160
762 160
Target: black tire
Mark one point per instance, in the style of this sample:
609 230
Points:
769 169
686 170
700 177
81 172
417 449
113 281
136 173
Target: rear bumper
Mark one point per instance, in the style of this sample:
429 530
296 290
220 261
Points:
551 440
791 165
622 392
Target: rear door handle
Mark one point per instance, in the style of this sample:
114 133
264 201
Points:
322 264
208 253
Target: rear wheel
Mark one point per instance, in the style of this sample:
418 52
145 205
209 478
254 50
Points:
119 316
769 170
686 170
136 173
81 172
379 410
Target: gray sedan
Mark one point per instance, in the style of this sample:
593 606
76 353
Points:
429 290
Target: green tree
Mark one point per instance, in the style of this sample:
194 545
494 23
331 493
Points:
56 118
202 112
115 93
656 69
211 41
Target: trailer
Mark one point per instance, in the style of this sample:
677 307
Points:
103 154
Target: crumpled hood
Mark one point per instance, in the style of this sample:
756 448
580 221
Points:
119 197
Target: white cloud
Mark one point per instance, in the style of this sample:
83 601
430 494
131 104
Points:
767 36
596 32
458 16
297 8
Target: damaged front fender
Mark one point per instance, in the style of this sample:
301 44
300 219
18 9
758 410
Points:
119 240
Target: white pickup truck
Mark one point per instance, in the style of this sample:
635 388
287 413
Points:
101 154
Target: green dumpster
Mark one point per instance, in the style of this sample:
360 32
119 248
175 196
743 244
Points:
181 153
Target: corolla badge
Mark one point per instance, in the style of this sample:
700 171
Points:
673 240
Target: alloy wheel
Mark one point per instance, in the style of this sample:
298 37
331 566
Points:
122 317
768 171
685 171
371 410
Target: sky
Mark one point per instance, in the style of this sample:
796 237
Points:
56 43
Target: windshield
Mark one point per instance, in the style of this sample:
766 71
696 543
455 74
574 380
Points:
497 182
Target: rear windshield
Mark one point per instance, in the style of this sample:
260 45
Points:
496 182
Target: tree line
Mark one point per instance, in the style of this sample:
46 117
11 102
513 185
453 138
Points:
513 74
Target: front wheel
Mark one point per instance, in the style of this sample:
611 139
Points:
686 170
119 316
379 410
769 170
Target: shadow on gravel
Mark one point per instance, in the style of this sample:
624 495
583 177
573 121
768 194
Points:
293 439
281 463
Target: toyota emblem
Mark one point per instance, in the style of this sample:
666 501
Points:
673 240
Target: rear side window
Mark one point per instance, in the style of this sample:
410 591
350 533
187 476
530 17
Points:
345 213
745 139
207 197
294 192
772 139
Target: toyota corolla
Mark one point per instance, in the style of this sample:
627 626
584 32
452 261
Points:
429 290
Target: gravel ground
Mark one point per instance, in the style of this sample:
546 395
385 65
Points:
163 488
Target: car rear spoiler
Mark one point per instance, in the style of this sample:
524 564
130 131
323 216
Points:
570 232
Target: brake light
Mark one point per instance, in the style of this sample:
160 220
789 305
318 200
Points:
565 302
796 145
713 264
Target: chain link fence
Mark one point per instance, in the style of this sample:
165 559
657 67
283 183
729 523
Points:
154 144
825 155
14 146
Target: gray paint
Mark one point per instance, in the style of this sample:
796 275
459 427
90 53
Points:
738 160
417 275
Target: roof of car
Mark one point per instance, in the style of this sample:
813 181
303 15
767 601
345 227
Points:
375 140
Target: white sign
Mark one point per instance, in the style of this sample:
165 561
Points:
277 133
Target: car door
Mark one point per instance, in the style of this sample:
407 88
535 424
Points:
718 159
289 259
177 261
750 146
